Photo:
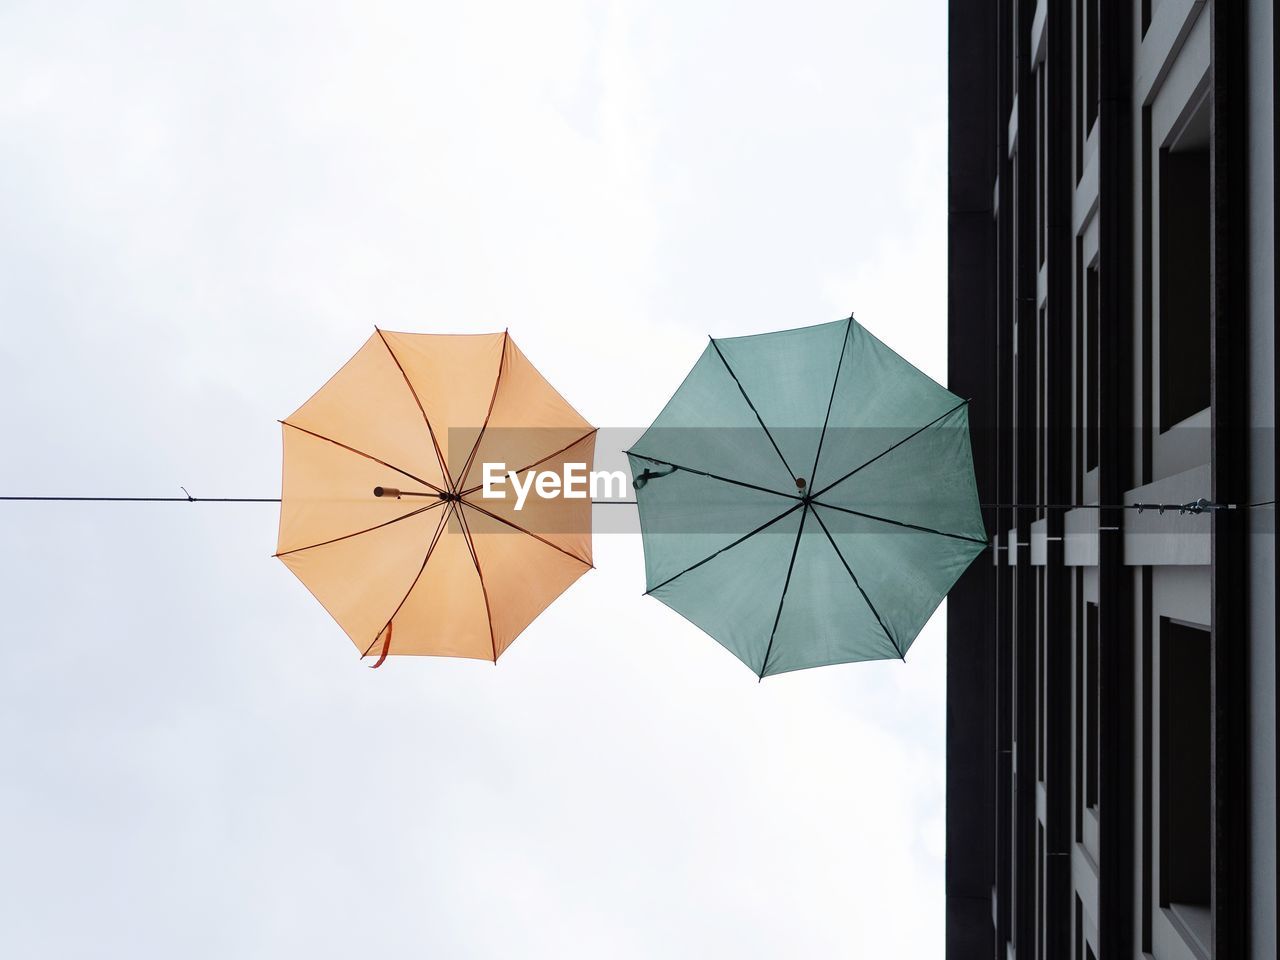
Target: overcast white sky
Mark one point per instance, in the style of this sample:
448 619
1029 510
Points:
204 209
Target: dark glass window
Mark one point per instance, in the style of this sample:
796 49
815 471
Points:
1079 111
1091 308
1041 164
1091 706
1185 765
1184 284
1091 63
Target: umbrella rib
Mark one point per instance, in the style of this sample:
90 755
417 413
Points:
497 382
361 453
890 449
836 547
444 467
716 476
536 463
730 546
348 536
516 526
444 518
764 665
488 612
760 419
834 383
903 523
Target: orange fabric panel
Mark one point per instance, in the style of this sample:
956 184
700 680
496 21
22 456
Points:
522 575
366 405
454 378
327 492
445 614
530 420
562 521
361 580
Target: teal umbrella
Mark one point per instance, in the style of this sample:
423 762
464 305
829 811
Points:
807 497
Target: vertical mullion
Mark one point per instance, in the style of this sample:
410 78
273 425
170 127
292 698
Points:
1228 470
1108 87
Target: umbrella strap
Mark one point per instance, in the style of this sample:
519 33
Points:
386 648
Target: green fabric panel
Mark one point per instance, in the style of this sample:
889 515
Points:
906 573
927 480
824 618
788 376
879 399
687 517
734 597
707 425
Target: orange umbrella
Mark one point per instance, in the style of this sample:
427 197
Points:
428 557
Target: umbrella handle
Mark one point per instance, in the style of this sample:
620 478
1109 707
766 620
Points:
397 493
639 482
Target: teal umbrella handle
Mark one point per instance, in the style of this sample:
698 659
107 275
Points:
639 482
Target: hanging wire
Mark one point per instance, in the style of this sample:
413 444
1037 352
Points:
187 499
190 499
1193 507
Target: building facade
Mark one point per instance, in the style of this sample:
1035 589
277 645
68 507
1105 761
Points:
1112 673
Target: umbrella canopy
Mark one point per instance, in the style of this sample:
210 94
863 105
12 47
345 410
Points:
429 565
807 497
